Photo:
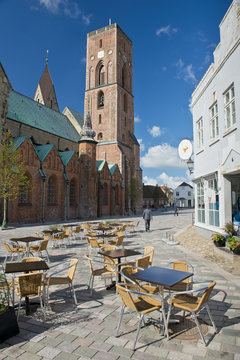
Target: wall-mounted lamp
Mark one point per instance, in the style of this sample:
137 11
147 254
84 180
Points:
190 165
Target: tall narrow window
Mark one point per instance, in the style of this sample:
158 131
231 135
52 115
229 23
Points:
123 77
229 108
200 134
116 195
125 102
24 193
105 194
200 203
100 119
101 75
51 194
100 43
100 99
109 73
72 192
214 131
213 202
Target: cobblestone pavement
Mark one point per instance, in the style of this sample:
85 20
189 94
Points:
87 331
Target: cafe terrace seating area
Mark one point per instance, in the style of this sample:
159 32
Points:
112 268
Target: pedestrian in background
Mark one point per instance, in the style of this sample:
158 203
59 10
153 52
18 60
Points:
176 211
147 216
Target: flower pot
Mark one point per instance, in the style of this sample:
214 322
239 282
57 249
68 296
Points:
220 243
8 324
236 251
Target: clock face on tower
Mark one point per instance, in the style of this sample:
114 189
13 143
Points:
185 149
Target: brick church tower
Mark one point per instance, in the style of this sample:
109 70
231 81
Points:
109 96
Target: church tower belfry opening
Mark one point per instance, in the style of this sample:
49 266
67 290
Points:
109 93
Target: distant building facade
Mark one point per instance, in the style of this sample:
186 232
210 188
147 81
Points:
216 124
153 196
70 178
183 196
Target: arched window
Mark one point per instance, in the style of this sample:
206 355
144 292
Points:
51 191
72 192
125 105
116 195
105 194
100 99
100 136
24 194
101 75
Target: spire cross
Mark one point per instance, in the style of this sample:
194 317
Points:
47 57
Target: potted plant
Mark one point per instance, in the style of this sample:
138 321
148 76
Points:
234 245
8 321
219 240
229 228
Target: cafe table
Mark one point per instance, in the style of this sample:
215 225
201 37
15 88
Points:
27 240
163 277
18 267
119 254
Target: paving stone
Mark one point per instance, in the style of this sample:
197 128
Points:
29 356
66 356
85 351
97 336
32 347
13 351
105 356
49 352
231 348
83 341
66 337
212 355
118 341
118 350
98 345
67 347
49 341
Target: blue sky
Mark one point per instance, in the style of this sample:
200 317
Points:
173 42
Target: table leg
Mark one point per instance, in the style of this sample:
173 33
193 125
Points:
161 291
118 269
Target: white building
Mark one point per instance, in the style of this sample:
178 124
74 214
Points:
183 195
216 125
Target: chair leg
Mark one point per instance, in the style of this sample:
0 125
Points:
42 307
47 256
120 320
19 304
74 295
139 327
199 327
211 318
92 286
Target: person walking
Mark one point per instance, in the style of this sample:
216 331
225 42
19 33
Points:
147 216
176 211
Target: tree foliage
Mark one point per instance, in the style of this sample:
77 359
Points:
12 171
135 190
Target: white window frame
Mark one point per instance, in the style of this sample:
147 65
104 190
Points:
200 203
229 107
214 129
213 206
199 127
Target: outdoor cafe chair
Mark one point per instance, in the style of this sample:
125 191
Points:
185 284
54 278
186 301
13 249
140 302
33 258
30 285
93 243
104 269
126 273
118 241
149 251
40 248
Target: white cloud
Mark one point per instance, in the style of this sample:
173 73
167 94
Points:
185 72
137 119
171 181
166 30
149 181
155 131
68 7
142 146
162 156
164 68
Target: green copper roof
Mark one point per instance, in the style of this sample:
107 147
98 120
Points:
27 111
66 156
112 168
100 164
19 140
43 150
78 117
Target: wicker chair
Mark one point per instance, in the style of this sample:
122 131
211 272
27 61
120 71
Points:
186 301
185 284
126 273
30 285
40 248
139 302
13 249
52 279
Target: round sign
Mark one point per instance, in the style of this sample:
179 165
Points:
185 149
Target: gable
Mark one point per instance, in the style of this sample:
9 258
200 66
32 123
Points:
231 162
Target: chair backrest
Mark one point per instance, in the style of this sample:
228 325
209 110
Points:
67 231
126 297
43 245
205 296
119 233
89 262
77 230
109 264
119 241
108 247
127 271
11 248
30 284
182 266
29 259
143 262
72 269
93 242
149 250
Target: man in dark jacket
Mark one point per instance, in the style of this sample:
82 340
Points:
147 216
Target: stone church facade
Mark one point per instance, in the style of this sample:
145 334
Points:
73 175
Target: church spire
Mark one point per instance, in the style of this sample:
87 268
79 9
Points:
87 133
45 92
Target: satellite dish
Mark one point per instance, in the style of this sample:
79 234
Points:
185 149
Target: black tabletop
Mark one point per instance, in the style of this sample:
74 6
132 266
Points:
119 253
27 239
15 267
161 276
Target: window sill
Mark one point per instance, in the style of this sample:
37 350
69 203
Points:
230 130
214 141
